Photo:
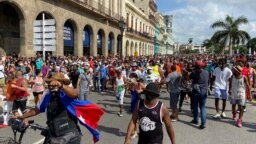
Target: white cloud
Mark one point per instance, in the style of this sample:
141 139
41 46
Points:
194 19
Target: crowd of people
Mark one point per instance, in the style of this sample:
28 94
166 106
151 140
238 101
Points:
186 77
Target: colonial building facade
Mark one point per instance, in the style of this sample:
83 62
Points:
79 27
82 27
139 32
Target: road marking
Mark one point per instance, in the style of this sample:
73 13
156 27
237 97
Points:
39 142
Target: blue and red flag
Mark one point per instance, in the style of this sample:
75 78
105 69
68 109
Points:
87 113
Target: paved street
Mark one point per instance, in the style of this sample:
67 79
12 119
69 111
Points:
113 128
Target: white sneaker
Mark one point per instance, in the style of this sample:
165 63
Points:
120 114
216 116
223 115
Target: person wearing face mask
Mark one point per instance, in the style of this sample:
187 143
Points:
64 111
149 77
151 114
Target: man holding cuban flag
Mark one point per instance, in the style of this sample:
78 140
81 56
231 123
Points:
64 110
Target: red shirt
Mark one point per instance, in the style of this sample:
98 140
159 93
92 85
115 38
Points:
91 63
112 71
246 72
19 93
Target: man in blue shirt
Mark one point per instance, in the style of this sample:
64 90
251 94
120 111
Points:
103 77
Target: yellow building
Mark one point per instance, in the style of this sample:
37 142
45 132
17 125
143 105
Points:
138 37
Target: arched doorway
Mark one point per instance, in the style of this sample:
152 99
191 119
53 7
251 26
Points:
132 49
12 28
127 48
69 36
87 35
119 46
111 44
100 42
48 39
136 52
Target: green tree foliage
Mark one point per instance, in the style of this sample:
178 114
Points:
252 44
228 32
242 49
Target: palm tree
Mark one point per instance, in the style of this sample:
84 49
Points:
207 43
229 32
213 46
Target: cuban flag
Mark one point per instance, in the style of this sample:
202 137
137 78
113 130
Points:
87 113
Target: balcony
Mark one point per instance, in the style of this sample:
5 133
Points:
152 5
97 7
138 33
152 19
162 29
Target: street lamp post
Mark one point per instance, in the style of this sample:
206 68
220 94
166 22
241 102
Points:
122 25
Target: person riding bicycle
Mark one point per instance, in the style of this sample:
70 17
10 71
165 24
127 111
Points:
62 124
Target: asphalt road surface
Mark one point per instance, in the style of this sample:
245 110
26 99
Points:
113 128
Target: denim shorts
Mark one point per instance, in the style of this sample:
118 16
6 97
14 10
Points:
221 93
240 102
174 98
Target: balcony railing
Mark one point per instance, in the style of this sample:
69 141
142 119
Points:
152 19
97 7
143 34
153 5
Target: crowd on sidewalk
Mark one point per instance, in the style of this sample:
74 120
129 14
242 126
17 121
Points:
186 77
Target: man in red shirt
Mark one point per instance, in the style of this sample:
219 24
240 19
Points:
112 74
91 63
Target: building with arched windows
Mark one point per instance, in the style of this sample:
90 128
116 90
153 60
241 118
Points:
139 34
77 27
147 32
82 27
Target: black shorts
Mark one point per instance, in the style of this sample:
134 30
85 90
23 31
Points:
19 104
37 93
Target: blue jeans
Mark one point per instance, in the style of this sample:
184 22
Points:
96 83
199 100
134 100
103 84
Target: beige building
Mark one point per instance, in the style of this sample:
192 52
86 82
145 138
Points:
138 37
79 27
162 35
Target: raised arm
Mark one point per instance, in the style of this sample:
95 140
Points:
168 124
131 126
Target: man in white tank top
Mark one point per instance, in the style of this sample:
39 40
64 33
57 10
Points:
120 90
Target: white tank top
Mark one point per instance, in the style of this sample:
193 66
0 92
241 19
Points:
120 84
238 88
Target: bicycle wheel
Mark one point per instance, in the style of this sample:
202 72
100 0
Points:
7 140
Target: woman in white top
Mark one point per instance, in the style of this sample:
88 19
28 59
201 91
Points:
237 88
120 90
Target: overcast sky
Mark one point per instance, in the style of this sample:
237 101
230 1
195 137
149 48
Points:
192 18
